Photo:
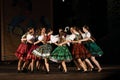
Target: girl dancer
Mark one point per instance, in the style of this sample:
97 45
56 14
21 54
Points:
44 50
79 51
30 40
21 52
92 47
61 54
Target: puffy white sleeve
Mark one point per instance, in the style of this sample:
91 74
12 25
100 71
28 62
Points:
83 35
29 37
88 35
40 38
70 37
23 36
54 38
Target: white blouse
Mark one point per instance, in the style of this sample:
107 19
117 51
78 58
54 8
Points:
30 37
70 37
54 38
86 35
40 38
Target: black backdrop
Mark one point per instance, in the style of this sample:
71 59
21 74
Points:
102 16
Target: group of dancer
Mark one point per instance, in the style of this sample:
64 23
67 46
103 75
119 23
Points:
39 46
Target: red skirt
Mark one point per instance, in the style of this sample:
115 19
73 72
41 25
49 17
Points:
22 50
30 55
79 51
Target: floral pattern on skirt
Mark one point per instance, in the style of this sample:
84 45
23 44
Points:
43 51
61 53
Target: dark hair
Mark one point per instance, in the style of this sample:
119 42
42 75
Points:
48 30
29 28
40 29
87 27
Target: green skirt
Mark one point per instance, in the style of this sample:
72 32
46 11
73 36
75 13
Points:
94 49
61 53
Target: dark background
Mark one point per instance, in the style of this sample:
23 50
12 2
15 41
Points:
79 13
102 16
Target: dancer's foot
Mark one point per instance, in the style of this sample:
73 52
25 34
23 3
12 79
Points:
99 70
24 70
60 69
85 71
18 71
32 71
92 69
47 72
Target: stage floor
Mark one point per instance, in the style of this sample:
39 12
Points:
109 72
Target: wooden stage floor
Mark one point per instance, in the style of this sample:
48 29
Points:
109 72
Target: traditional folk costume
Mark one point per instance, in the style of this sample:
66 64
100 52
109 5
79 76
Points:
78 49
61 53
32 47
23 49
91 46
44 50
